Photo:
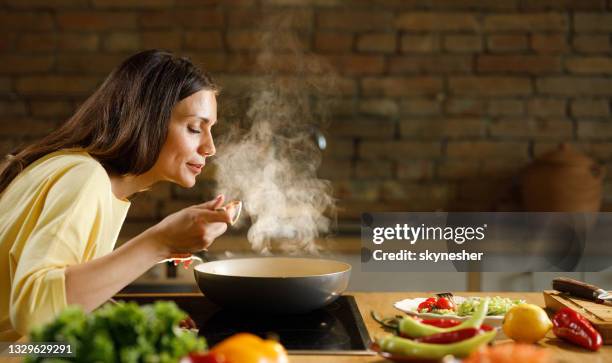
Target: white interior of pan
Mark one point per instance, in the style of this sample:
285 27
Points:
273 267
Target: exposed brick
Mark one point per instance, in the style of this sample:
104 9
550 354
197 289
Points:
592 43
40 20
506 43
191 18
132 4
455 169
509 107
591 107
420 106
354 20
56 85
398 150
379 107
338 107
463 43
435 195
8 41
415 170
203 40
19 64
214 62
534 64
5 85
363 129
37 42
563 4
358 64
574 85
100 63
465 106
377 43
96 20
596 149
339 149
44 4
369 170
593 22
122 42
493 86
526 22
420 43
425 21
558 129
595 130
13 108
549 43
170 40
270 18
254 40
441 129
430 64
77 41
333 42
546 107
400 86
470 4
356 190
51 108
589 65
335 169
486 149
36 128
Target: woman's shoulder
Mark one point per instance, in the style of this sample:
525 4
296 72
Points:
74 165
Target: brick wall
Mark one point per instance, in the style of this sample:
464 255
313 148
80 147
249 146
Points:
439 103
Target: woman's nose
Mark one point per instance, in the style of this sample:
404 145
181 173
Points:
207 147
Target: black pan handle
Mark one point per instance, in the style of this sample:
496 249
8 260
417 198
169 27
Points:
576 288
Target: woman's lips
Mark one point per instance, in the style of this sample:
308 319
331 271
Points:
196 168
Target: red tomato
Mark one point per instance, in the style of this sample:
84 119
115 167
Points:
202 358
444 303
427 305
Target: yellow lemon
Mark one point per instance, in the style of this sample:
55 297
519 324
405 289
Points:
526 323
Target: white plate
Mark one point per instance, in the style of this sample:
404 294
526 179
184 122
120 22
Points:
409 306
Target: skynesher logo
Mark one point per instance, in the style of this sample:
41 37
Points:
413 234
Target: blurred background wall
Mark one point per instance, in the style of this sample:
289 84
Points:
438 106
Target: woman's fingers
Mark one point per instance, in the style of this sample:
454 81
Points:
213 204
211 216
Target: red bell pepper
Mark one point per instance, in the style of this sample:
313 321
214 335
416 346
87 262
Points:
573 327
449 323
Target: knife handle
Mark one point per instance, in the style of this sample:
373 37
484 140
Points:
576 288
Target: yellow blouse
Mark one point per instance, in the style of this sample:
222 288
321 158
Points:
58 212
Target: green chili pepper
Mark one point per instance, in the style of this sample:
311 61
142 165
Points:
411 349
412 328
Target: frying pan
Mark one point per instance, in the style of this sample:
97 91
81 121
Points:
278 285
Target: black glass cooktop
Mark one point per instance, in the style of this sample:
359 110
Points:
335 329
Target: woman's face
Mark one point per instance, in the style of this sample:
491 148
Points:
189 140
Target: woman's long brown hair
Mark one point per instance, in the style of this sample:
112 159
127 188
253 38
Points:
124 123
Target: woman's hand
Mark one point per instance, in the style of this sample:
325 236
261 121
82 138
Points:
191 229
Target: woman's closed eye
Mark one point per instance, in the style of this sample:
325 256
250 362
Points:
194 130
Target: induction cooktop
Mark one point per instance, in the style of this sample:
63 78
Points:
337 328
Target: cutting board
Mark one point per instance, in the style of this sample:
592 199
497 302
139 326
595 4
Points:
600 315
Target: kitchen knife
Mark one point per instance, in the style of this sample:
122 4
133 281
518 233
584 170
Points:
581 289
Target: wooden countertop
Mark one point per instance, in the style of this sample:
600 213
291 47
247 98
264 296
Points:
382 302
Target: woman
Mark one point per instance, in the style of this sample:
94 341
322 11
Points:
64 198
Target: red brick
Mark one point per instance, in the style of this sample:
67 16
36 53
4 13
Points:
363 129
358 64
426 21
442 129
458 169
333 42
56 85
599 130
595 149
354 20
546 107
415 170
36 128
340 149
45 4
369 170
493 86
533 64
256 40
398 150
96 20
8 41
337 107
335 169
463 43
6 85
430 64
574 85
341 86
420 43
36 42
505 43
436 195
593 22
132 4
203 40
51 108
558 129
19 64
378 107
465 106
591 107
563 4
121 42
270 18
100 63
212 62
526 22
191 18
170 40
400 86
13 108
510 107
589 65
26 21
420 106
549 43
377 43
486 149
76 41
470 4
592 43
356 190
